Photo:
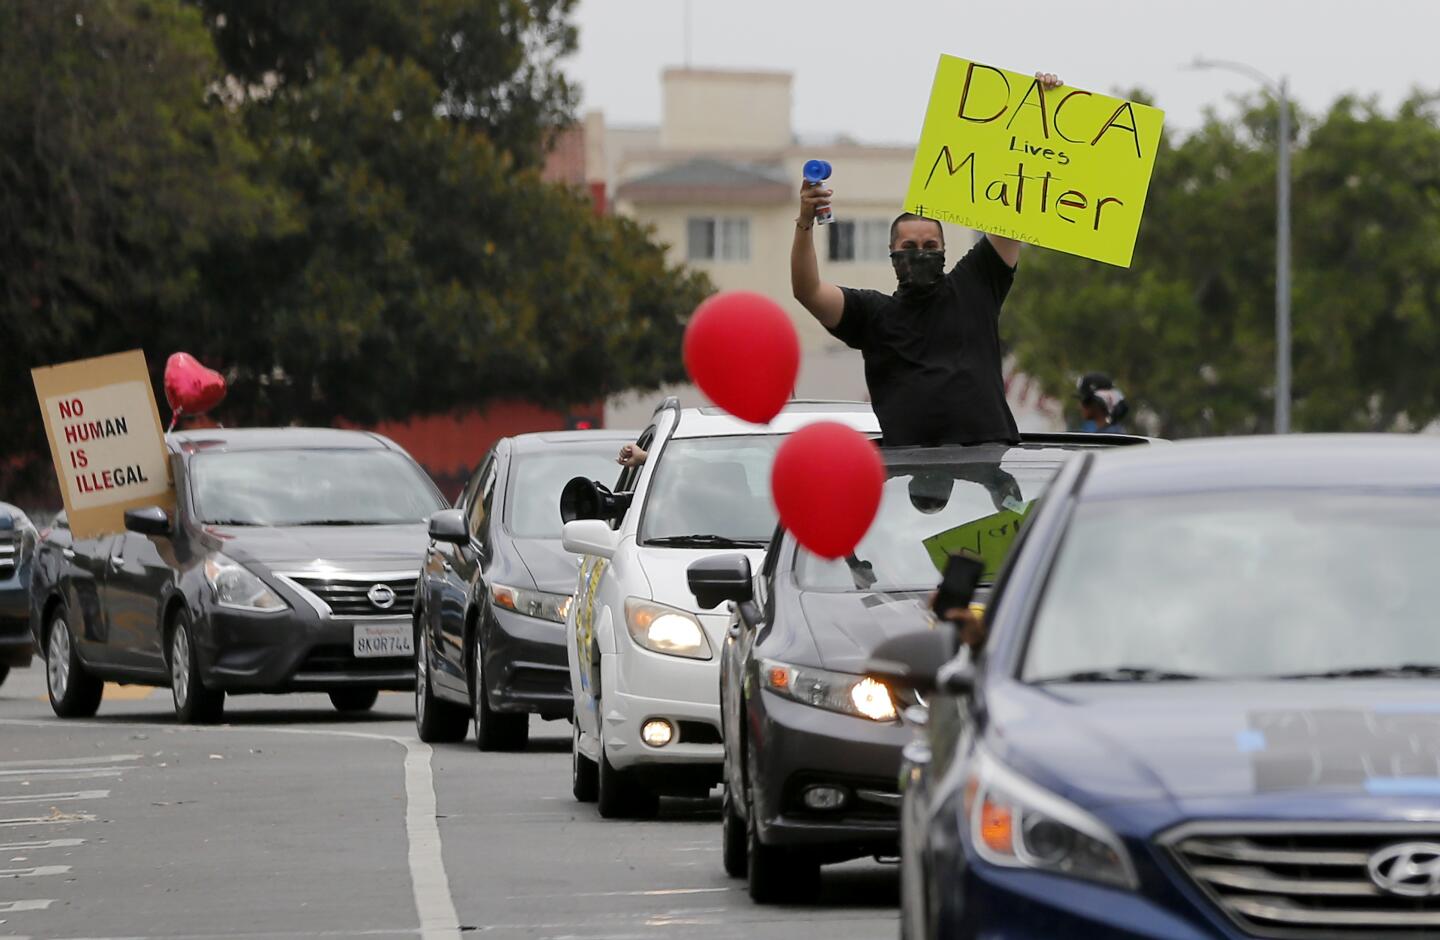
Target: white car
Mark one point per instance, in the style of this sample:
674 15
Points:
644 666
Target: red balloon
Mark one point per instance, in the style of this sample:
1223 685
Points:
191 388
741 349
827 482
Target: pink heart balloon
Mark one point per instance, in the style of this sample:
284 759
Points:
191 388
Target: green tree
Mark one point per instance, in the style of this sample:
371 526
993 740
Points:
1188 330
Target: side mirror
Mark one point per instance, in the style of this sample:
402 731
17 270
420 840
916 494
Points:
914 660
448 525
590 499
589 537
721 578
150 520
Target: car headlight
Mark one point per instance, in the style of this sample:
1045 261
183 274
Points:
531 603
664 629
1018 824
861 696
238 587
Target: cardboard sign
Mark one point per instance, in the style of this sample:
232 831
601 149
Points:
989 537
105 439
1066 169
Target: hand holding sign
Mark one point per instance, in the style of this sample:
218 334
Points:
741 349
827 482
191 388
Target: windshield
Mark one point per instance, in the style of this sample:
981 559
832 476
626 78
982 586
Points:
1232 585
310 487
713 486
929 511
537 479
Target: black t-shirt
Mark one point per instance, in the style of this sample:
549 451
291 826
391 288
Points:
933 366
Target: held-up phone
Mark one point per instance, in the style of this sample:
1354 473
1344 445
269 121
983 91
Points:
957 586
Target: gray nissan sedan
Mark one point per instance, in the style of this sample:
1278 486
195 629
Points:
287 565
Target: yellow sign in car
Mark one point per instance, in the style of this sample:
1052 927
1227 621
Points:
989 538
1066 168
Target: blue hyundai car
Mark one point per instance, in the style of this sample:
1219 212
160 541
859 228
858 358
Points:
1208 706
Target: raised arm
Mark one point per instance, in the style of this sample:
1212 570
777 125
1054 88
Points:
1008 248
824 301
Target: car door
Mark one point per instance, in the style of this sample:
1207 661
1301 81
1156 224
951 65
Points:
82 579
462 566
137 571
735 663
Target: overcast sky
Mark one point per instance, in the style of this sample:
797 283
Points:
863 67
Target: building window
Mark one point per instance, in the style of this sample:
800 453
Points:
865 240
718 239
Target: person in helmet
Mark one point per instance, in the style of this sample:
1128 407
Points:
1102 406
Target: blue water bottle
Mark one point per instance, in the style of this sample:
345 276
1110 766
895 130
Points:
818 171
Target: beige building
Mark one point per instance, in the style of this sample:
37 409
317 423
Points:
719 180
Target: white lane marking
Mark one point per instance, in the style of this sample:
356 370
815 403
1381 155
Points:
59 819
398 932
75 773
434 903
39 871
15 907
57 797
41 844
71 761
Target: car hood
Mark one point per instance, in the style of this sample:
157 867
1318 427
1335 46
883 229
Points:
846 627
1333 749
552 568
377 547
666 569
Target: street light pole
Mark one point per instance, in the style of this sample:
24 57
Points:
1282 233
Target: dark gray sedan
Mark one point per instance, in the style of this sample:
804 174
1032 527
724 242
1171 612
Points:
494 590
812 745
288 564
17 552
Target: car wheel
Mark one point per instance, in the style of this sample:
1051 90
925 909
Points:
194 704
494 731
436 722
619 796
4 673
732 838
354 700
584 775
74 693
776 875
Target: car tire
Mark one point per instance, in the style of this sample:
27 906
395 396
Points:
494 731
619 796
436 721
4 673
354 700
776 875
584 775
74 693
732 838
194 704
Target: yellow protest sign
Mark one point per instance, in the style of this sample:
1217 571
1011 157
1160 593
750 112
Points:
989 538
1066 169
105 438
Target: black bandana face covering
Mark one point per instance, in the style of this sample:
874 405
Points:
918 271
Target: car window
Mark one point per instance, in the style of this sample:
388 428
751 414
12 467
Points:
310 487
630 476
713 486
1243 585
478 511
929 511
467 496
532 508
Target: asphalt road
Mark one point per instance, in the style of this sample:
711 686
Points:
293 821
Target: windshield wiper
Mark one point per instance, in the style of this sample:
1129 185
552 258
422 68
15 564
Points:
1402 671
232 522
1119 674
705 541
339 522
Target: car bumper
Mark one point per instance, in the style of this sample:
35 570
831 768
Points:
525 666
16 643
681 691
991 903
798 746
245 652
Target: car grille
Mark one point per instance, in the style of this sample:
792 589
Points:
338 660
1307 881
350 595
9 551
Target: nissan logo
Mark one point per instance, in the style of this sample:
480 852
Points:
1411 869
382 596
